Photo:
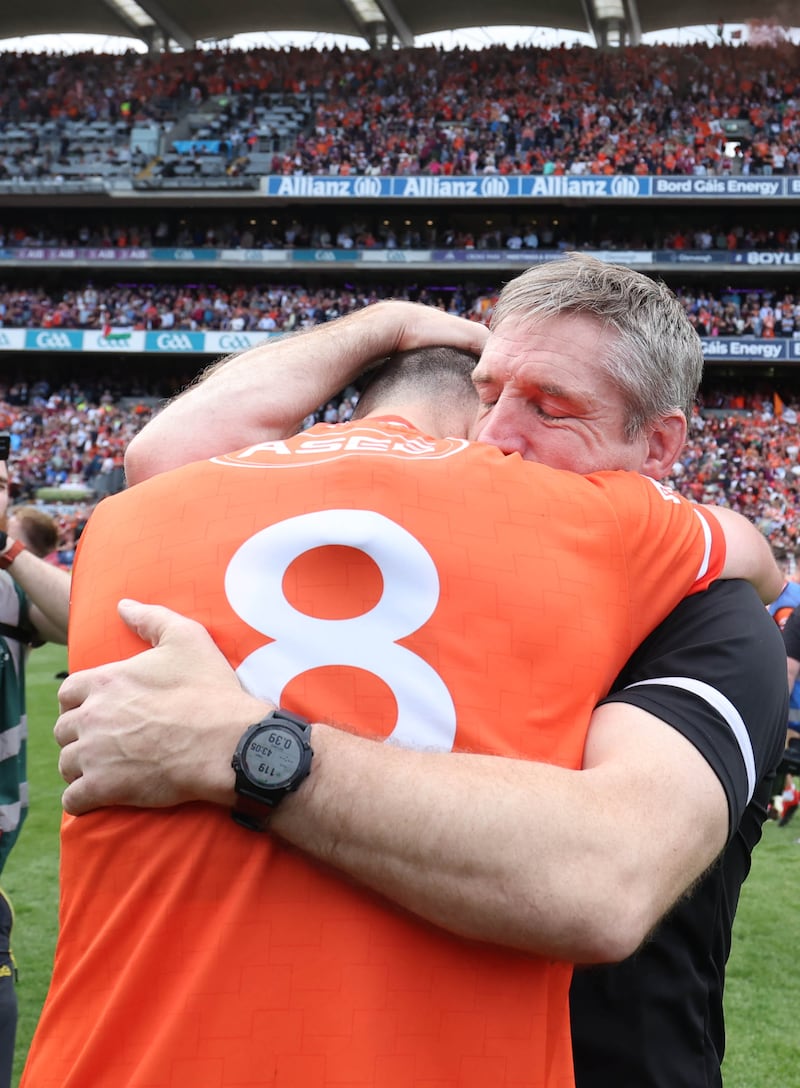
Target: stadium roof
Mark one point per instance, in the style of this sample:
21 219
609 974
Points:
189 21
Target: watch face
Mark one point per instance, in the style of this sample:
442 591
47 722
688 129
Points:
272 757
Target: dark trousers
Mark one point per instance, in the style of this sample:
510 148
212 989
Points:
8 994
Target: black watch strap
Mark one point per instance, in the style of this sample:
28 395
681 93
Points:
252 814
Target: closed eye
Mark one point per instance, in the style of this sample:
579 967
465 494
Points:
555 414
488 393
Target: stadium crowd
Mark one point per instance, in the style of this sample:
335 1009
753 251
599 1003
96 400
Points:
70 439
554 111
765 312
420 111
561 230
746 457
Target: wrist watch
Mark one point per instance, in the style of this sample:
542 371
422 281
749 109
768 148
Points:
8 557
271 760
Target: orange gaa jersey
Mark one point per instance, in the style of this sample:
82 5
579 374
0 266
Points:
432 593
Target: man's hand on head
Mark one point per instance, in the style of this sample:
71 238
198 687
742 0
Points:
418 326
156 729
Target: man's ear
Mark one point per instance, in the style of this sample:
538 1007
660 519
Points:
665 442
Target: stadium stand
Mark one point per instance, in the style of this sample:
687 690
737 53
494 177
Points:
719 110
764 312
138 198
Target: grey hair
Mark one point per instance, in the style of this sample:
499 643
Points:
656 358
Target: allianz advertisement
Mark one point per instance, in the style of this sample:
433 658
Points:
126 341
513 187
488 187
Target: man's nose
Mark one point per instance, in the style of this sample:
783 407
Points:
501 427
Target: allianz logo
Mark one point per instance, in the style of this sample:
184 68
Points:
367 186
624 186
495 186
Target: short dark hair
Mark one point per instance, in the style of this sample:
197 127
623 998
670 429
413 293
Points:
39 530
418 371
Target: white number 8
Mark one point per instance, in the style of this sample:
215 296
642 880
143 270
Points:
426 716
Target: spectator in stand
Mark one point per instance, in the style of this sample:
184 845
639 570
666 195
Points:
64 437
766 312
524 110
603 232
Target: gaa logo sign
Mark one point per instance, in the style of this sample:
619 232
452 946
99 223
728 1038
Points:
171 341
495 186
624 186
58 341
232 342
370 186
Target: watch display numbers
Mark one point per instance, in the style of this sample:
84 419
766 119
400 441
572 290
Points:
272 757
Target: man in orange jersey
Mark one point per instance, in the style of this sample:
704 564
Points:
605 851
409 585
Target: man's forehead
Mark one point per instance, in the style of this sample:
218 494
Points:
563 327
554 351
